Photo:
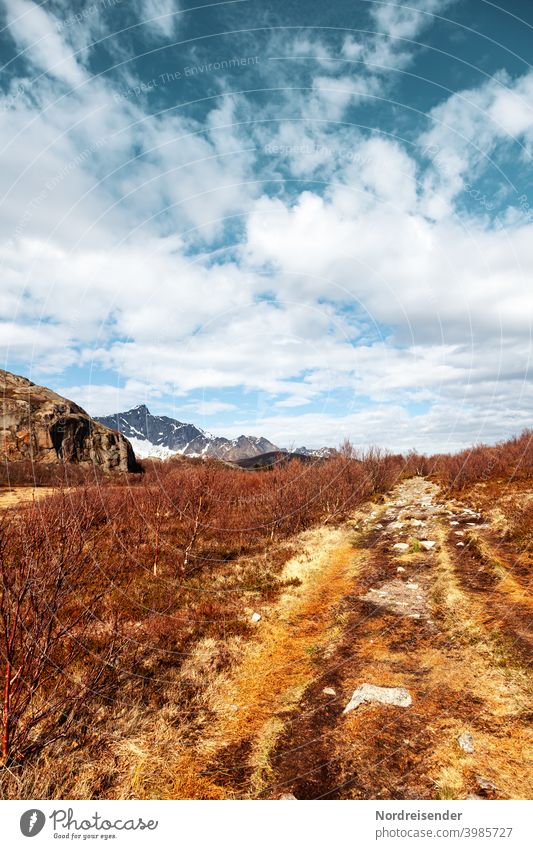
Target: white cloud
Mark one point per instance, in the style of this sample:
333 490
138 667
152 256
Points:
466 129
365 288
333 94
446 427
209 408
512 107
161 17
388 172
359 70
294 401
44 347
396 25
399 20
351 48
424 278
37 35
106 399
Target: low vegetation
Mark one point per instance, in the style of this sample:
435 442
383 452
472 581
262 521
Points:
124 599
520 526
108 584
508 461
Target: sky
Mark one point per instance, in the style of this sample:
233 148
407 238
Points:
304 220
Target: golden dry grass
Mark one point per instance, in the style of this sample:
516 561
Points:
20 495
277 666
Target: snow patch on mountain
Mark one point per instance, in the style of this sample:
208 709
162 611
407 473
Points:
143 449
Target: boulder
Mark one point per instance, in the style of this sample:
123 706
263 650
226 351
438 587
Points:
39 425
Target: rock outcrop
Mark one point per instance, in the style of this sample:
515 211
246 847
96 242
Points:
39 425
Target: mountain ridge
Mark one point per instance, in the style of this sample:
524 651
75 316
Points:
163 436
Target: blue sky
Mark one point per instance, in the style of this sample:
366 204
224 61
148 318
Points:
303 220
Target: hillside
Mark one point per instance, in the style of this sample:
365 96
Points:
274 458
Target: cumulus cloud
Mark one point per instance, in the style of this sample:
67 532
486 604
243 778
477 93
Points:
325 276
464 133
104 399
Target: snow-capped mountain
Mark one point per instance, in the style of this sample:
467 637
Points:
162 436
320 453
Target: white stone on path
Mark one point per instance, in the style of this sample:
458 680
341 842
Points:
289 797
256 617
466 742
329 691
400 569
401 546
384 695
427 544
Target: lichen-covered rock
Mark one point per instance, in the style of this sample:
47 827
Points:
39 425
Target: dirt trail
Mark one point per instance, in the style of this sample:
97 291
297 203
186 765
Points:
406 595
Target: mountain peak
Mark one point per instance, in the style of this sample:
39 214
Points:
157 434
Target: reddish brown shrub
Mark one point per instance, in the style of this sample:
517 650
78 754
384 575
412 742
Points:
509 460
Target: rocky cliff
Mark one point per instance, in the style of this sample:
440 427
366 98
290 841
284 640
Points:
37 424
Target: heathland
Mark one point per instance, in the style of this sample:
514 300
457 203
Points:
196 630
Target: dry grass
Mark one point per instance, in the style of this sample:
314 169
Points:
276 668
19 495
204 702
